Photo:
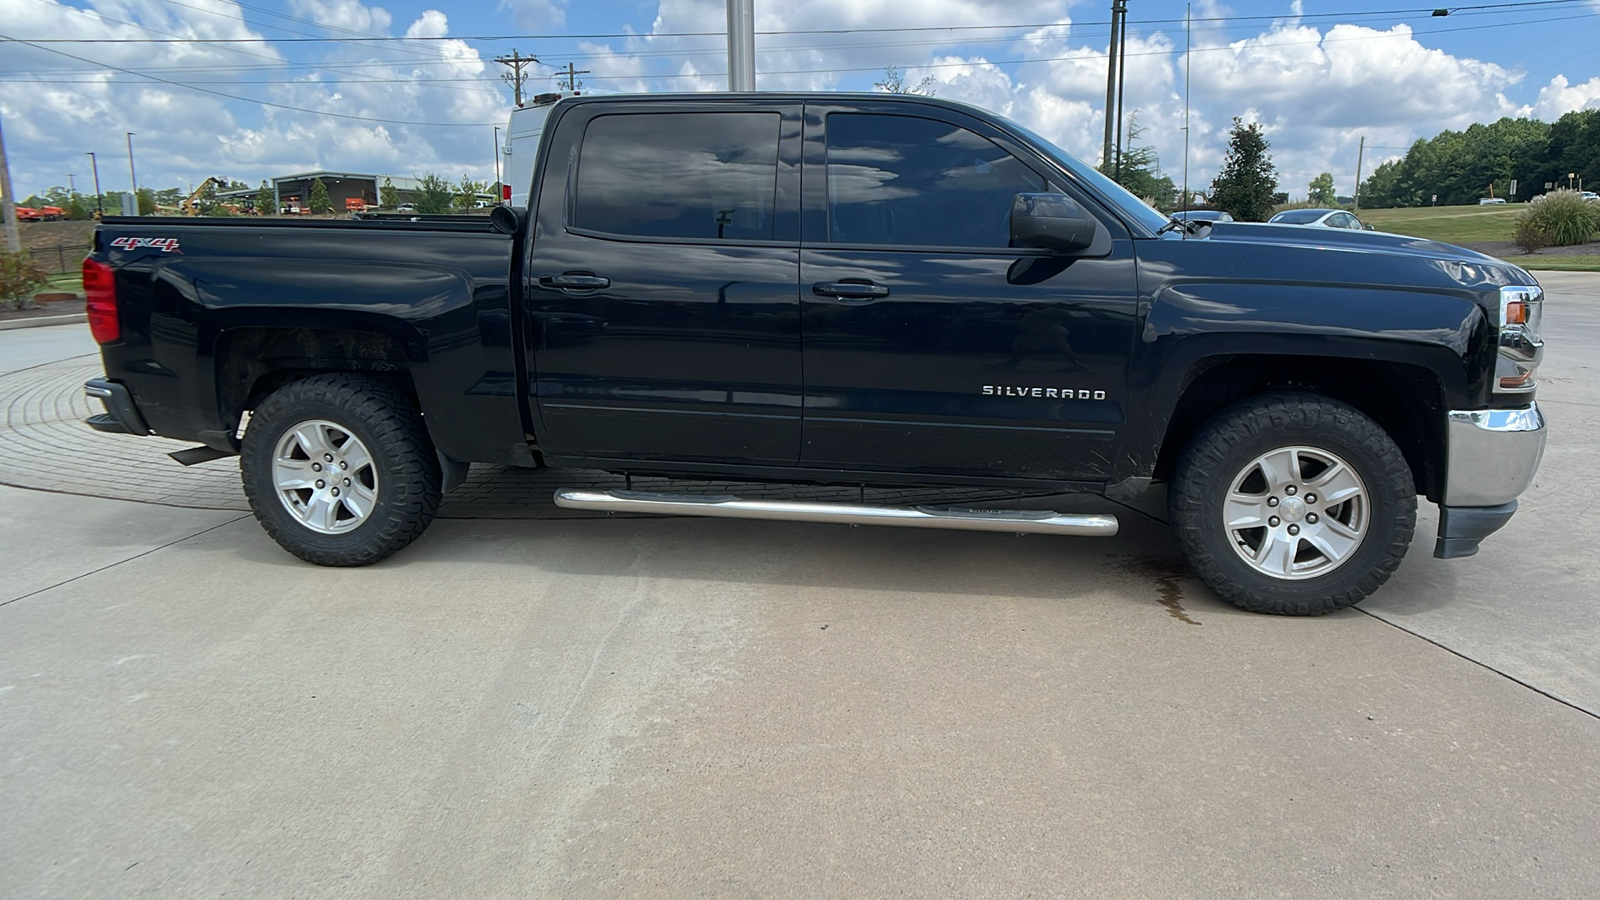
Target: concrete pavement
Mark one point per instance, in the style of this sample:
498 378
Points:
676 707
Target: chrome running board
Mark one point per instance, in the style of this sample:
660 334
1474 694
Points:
729 507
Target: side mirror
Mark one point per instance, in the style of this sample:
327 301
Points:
505 219
1370 227
1050 222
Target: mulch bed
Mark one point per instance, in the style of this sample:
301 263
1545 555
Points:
43 310
1511 253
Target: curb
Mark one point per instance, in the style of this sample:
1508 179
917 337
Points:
42 321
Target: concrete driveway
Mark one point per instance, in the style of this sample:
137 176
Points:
605 708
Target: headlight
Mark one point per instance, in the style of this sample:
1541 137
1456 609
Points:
1521 349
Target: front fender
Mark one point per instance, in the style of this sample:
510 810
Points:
1191 327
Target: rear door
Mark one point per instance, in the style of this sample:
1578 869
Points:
664 321
931 346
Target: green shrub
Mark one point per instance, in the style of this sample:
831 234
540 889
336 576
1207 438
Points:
1529 235
20 277
1564 215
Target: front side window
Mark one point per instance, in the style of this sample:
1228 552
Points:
911 181
699 176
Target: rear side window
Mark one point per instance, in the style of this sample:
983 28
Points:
905 180
700 176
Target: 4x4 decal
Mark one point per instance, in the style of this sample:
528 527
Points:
166 245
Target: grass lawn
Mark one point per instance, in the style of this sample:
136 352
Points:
1451 224
1584 263
70 282
1466 225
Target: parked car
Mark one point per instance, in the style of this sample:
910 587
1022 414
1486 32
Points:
1325 218
1491 201
884 290
1589 195
1207 216
406 207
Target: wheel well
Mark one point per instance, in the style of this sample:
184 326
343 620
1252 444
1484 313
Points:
1406 401
254 362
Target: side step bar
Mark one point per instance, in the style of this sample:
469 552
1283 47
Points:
730 507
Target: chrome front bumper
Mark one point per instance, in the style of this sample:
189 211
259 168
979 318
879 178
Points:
1494 454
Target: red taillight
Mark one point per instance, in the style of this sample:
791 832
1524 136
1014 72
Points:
505 192
100 295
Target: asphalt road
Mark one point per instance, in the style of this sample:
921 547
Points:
676 707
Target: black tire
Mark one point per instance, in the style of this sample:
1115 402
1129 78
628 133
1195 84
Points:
1311 430
401 470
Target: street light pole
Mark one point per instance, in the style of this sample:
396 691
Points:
99 200
132 177
8 204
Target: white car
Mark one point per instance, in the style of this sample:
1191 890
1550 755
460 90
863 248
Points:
1326 218
1491 201
1589 195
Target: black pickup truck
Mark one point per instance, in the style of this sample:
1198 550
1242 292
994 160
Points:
839 289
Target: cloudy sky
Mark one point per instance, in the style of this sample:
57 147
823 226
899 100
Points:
247 90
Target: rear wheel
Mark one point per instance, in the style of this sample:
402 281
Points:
1293 504
339 470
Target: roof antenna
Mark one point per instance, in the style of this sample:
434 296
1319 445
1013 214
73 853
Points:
1188 54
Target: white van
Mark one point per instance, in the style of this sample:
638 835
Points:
522 144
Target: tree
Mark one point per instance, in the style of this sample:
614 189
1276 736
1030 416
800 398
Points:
388 196
207 202
319 202
467 193
1321 193
1135 168
147 202
266 203
893 83
1245 186
433 194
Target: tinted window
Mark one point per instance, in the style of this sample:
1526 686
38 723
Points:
707 176
1300 216
903 180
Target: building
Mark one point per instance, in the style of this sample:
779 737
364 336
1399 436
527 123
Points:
346 190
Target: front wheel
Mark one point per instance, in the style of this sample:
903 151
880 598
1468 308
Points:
1293 504
339 470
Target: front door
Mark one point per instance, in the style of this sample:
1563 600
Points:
930 346
663 317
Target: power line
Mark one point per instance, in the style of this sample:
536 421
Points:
320 112
1423 11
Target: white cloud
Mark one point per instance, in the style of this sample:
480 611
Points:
537 15
1559 98
347 15
1316 90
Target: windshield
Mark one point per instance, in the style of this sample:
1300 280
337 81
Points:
1113 193
1299 216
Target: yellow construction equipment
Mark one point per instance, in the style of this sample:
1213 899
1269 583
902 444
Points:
190 205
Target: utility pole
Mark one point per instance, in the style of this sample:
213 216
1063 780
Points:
8 204
1359 154
134 179
741 45
572 76
1122 66
99 201
515 63
1119 11
72 184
